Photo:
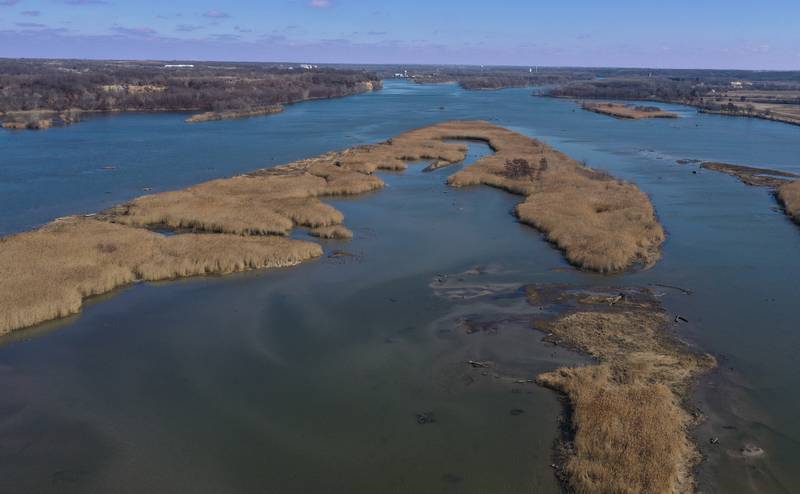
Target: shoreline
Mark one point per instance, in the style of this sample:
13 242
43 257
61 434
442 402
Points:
207 116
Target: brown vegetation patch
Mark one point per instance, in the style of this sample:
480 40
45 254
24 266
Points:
211 116
628 111
603 225
789 195
47 273
332 232
628 423
760 177
600 223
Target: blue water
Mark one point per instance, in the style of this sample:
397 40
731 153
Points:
285 379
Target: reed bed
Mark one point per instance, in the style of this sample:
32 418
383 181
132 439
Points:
47 273
600 223
628 111
789 195
629 426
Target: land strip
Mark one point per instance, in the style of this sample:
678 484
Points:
785 185
212 116
628 111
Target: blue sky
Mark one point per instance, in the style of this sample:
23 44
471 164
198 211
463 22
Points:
642 33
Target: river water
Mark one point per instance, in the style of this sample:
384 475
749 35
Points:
311 379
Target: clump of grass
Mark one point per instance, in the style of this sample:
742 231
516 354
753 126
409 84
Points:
332 232
47 273
789 195
628 422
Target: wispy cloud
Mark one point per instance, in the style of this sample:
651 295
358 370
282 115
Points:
320 4
8 3
135 31
86 2
188 28
31 13
216 14
30 25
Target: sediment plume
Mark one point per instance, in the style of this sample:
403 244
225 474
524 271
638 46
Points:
628 425
789 195
632 112
47 273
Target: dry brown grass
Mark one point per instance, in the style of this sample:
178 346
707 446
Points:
629 425
615 230
47 273
759 177
628 111
234 114
600 223
789 196
334 232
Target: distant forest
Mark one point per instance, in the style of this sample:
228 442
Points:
60 85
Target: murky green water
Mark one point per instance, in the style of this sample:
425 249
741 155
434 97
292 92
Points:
310 379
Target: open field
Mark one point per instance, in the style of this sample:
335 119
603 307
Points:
628 431
628 111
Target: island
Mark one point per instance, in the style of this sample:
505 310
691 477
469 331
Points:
242 223
636 112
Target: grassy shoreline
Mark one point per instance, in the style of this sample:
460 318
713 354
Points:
628 419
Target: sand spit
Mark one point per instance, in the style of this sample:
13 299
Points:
601 224
628 111
785 185
47 273
789 195
628 425
759 177
212 116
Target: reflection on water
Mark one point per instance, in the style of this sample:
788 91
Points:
311 379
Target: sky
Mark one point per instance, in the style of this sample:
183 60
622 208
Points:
740 34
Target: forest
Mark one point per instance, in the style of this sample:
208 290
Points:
59 85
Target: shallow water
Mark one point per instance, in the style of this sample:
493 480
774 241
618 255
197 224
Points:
310 379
